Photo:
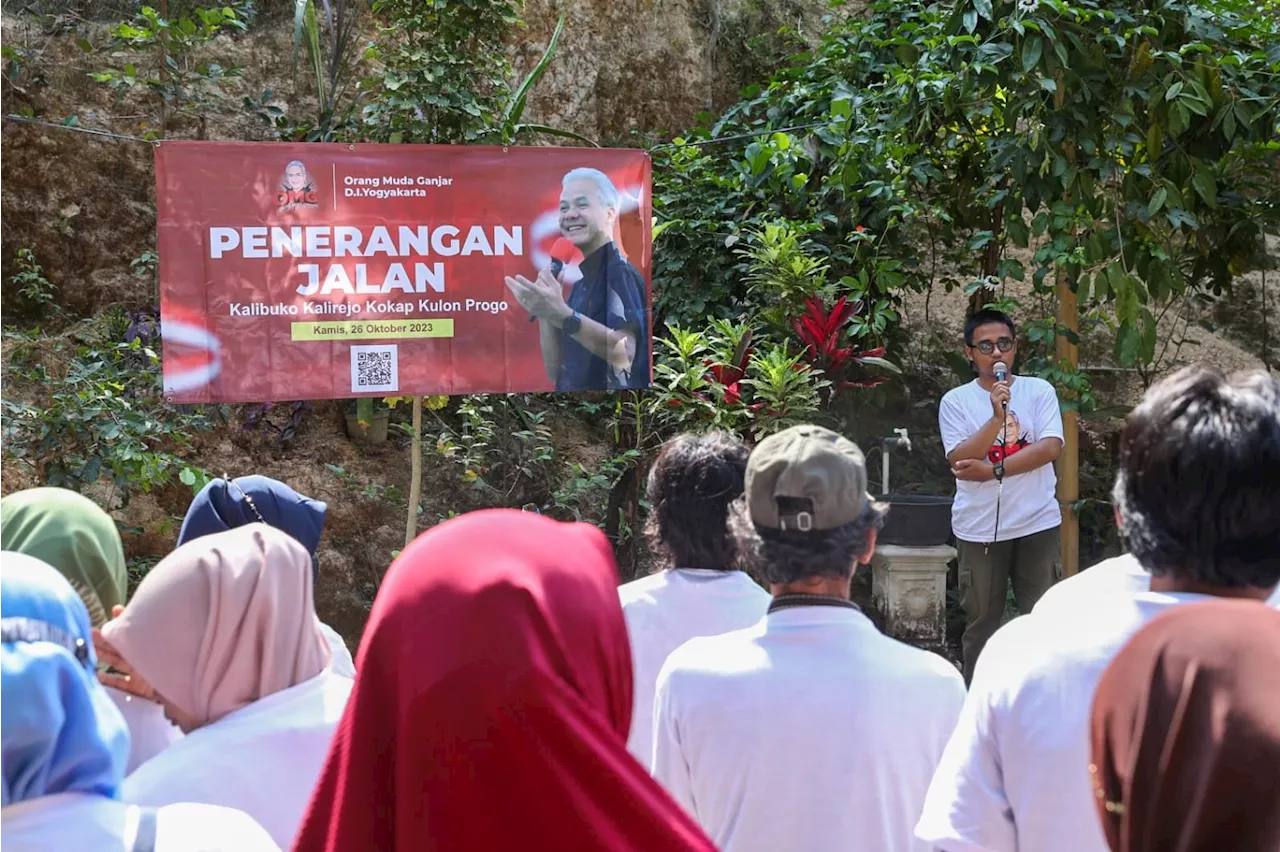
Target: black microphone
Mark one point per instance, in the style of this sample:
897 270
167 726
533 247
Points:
1002 373
561 250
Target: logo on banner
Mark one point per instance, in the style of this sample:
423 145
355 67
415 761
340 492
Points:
296 189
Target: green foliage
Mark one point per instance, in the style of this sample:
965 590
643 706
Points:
497 444
781 274
21 70
443 76
372 489
510 126
104 417
328 34
442 73
711 379
1130 145
583 494
182 85
36 291
685 395
786 388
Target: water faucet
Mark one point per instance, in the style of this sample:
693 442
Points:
899 438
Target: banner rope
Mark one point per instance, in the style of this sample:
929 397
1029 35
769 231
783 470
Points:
156 142
89 130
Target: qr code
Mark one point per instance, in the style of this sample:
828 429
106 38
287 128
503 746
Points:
374 368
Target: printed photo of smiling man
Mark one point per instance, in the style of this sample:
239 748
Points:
596 338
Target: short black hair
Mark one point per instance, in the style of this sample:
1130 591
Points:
691 485
1198 490
788 556
987 316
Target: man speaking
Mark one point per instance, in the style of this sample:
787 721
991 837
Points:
1001 433
597 338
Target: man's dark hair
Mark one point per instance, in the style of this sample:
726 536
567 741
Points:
788 556
1199 485
987 316
691 485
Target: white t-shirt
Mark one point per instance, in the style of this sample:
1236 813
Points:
1015 775
667 609
1027 504
809 731
83 821
1119 577
262 759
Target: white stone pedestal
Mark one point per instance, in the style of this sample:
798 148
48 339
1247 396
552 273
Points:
909 587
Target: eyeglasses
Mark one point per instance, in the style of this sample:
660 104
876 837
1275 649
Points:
986 347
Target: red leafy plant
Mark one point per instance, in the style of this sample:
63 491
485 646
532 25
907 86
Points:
820 331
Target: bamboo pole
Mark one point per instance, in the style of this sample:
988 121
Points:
1068 320
1069 459
415 473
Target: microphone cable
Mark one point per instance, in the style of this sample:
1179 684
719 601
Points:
1004 428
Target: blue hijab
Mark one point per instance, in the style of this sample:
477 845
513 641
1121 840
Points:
223 505
59 730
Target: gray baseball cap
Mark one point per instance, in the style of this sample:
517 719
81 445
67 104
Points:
806 463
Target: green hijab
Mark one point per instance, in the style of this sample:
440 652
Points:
70 532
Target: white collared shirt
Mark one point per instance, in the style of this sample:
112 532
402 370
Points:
84 821
262 759
1015 775
667 609
809 731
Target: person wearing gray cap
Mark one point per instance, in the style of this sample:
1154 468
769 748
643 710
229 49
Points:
809 730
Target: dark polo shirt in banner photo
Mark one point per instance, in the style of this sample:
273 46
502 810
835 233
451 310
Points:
612 292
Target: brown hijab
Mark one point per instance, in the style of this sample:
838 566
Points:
224 620
1186 733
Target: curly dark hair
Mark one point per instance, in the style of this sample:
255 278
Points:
1199 485
782 556
691 484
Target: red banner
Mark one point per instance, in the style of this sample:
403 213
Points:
320 271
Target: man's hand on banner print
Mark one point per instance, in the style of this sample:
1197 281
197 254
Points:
543 297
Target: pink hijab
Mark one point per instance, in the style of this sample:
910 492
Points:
223 621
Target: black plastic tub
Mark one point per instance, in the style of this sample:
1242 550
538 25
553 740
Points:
916 520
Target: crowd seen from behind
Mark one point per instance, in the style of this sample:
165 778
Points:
509 694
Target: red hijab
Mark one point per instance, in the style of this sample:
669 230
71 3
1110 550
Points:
492 704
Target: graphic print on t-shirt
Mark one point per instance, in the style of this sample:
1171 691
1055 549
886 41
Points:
1014 440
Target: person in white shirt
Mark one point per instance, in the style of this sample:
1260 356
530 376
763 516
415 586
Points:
1119 576
1001 434
64 744
700 593
224 635
1199 510
810 730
